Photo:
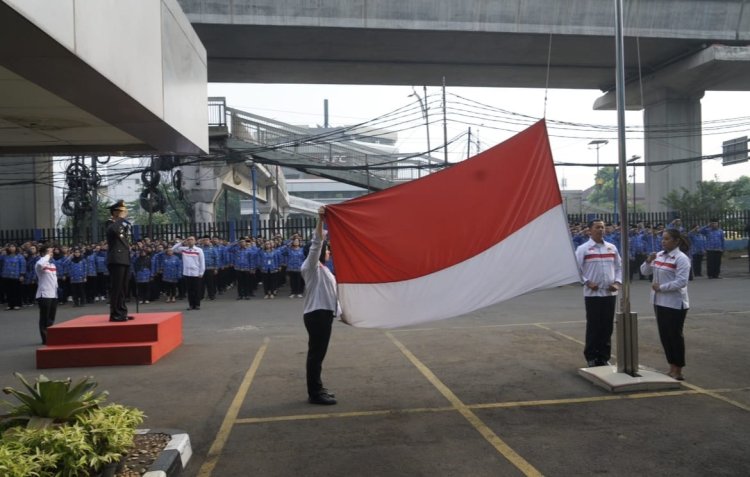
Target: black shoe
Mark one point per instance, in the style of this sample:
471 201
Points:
131 317
326 391
591 363
323 399
118 320
196 308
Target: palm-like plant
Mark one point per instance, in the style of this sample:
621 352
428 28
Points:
51 401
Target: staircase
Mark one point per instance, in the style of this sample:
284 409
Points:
93 340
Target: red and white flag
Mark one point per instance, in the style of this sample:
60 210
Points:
478 233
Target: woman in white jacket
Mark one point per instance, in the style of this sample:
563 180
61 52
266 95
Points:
671 270
320 307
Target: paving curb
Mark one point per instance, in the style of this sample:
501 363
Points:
175 456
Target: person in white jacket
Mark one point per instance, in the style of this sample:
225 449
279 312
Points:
320 307
601 271
46 292
193 267
671 270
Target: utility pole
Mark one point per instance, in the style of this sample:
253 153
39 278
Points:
423 106
445 127
468 145
94 203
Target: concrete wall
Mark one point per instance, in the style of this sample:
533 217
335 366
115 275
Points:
25 205
147 48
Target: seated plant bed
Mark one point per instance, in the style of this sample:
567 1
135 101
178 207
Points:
65 430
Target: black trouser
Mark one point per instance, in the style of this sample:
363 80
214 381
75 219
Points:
102 284
91 290
29 293
47 311
119 275
243 283
600 315
209 280
181 288
318 324
698 264
193 285
633 268
78 290
670 322
169 289
269 282
639 259
143 289
13 292
154 288
296 283
713 263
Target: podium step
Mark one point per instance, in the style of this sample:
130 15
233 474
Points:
93 340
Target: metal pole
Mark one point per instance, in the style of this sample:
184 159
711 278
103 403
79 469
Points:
445 127
627 339
255 206
94 203
468 145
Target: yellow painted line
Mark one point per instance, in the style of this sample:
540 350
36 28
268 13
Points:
231 416
553 402
560 334
715 395
495 405
500 445
338 415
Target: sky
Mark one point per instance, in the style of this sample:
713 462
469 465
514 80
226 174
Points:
350 104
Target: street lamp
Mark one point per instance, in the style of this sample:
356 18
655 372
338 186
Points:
598 144
632 161
423 106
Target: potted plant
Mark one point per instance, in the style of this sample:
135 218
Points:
60 429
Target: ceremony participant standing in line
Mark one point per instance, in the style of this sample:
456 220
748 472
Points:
671 270
77 273
46 292
193 268
320 307
172 274
714 248
697 249
211 257
13 272
295 257
118 261
601 271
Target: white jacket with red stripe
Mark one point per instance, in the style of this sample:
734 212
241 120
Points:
671 271
599 263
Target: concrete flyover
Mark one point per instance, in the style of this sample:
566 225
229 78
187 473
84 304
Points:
674 49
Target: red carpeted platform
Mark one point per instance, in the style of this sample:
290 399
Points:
93 340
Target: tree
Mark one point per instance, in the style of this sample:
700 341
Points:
710 199
605 187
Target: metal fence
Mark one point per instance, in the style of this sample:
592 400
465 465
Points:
231 230
733 224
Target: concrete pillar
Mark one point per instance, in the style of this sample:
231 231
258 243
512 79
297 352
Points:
28 205
204 212
673 131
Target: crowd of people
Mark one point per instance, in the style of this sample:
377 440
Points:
706 243
156 270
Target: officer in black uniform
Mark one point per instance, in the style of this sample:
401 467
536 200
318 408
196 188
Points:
118 261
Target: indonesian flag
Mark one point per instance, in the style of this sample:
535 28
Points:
478 233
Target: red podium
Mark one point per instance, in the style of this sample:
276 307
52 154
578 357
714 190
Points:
93 340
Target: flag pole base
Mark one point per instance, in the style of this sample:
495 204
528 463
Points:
608 378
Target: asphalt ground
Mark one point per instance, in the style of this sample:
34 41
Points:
493 393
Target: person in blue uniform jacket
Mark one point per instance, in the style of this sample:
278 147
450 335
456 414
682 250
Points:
76 274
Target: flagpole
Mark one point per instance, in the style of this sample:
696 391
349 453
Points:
627 352
627 376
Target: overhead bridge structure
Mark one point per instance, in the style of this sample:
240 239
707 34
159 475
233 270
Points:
243 136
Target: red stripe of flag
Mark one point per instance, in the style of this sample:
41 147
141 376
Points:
427 225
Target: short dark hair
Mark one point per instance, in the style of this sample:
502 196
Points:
323 248
591 222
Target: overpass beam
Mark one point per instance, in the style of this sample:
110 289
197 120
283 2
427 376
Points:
672 131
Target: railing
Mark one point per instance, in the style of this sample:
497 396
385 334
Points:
231 230
733 223
217 112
